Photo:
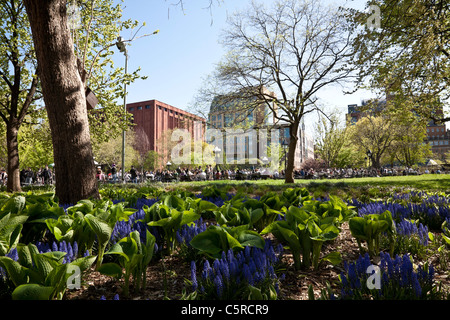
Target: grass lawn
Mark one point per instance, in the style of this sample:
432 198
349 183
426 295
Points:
351 187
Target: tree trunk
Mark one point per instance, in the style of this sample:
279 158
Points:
65 101
12 130
293 138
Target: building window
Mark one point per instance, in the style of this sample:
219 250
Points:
147 107
139 108
159 107
132 109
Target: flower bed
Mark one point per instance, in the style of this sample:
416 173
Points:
219 245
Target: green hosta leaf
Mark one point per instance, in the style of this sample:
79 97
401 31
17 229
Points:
189 216
357 227
248 238
214 240
10 232
208 241
255 293
117 249
100 228
111 269
256 215
84 263
83 206
334 258
206 206
149 248
290 237
253 204
297 214
14 205
46 262
129 246
17 273
175 202
32 292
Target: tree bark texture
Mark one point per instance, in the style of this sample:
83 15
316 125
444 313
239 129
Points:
65 101
293 139
12 130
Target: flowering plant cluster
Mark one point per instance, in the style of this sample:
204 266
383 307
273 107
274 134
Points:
123 228
231 277
412 237
430 210
410 228
186 234
399 279
63 246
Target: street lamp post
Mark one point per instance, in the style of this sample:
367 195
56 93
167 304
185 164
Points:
121 45
284 143
369 155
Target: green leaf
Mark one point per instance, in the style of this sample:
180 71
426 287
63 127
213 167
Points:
100 228
447 239
14 205
255 215
290 237
250 238
32 291
357 227
255 293
334 258
111 269
17 273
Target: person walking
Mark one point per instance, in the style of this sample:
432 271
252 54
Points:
47 175
133 174
114 173
28 176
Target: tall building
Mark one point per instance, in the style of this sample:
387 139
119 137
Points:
438 136
240 109
252 115
154 118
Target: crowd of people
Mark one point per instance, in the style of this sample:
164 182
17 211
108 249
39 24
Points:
337 173
41 176
214 173
112 174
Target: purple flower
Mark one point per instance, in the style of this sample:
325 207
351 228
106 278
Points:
194 276
219 285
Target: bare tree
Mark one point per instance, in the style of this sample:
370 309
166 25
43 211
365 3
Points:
295 49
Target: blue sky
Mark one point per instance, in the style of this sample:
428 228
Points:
186 49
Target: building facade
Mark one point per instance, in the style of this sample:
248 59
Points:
155 118
258 128
438 136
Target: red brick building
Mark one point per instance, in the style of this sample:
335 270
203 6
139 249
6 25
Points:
155 118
